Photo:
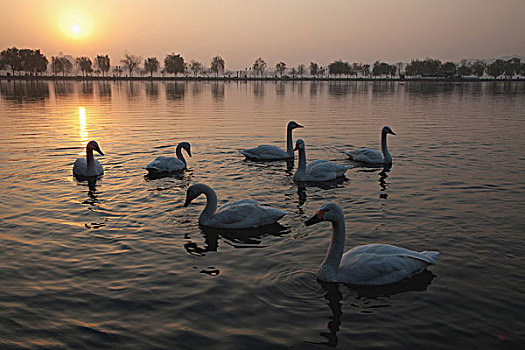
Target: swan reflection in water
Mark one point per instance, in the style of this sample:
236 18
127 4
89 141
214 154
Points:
240 238
324 185
383 175
333 295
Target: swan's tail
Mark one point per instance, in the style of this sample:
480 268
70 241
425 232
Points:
247 154
432 256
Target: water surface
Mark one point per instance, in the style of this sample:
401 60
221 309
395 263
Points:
123 265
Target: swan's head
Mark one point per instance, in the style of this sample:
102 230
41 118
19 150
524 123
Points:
328 212
294 125
186 146
299 145
193 192
387 130
93 146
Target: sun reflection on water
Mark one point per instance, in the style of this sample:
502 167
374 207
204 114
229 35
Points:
82 125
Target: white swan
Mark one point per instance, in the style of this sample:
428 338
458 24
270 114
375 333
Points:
166 165
268 152
318 170
369 264
89 166
241 214
372 156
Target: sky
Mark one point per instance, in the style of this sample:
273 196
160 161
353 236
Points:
293 31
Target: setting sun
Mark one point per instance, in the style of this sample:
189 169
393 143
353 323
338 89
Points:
75 29
75 23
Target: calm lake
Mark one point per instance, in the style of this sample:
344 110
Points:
123 264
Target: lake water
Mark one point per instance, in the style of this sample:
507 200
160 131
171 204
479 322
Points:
124 265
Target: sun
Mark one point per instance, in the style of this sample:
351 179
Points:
76 23
75 29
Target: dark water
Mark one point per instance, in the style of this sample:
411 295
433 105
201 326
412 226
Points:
124 265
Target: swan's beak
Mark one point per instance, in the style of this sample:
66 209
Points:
187 202
99 151
295 149
318 217
299 126
189 152
392 132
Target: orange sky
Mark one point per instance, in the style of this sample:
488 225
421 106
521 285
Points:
294 31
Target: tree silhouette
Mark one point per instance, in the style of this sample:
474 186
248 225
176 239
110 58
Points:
217 65
281 68
196 67
301 69
174 64
496 68
85 65
151 65
67 66
56 65
131 62
103 63
478 68
314 69
259 66
11 59
464 68
118 70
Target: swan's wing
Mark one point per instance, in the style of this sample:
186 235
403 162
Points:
377 264
245 215
80 167
166 164
98 166
323 170
265 152
242 201
366 155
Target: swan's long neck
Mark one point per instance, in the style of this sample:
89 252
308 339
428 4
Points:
301 167
386 155
90 162
335 250
289 142
211 205
178 152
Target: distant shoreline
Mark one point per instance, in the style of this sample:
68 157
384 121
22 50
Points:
189 78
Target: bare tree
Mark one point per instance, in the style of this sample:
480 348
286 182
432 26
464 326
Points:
131 62
259 66
217 65
281 68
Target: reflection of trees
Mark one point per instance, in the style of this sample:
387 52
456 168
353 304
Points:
63 87
104 89
279 88
132 90
258 89
87 87
152 90
217 90
196 88
25 92
175 90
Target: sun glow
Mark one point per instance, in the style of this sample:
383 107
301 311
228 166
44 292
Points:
75 23
75 28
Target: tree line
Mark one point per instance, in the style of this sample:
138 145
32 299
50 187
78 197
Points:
33 62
